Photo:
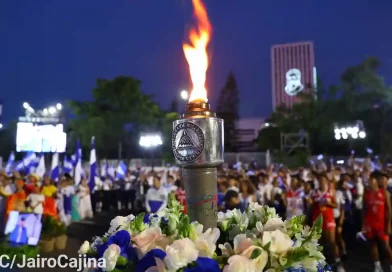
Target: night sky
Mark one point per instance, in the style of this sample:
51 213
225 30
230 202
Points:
52 51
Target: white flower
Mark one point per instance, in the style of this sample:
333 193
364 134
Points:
110 256
118 223
306 231
259 227
226 249
180 253
241 243
260 261
130 217
84 247
254 206
206 242
97 242
239 263
309 263
274 224
149 239
279 241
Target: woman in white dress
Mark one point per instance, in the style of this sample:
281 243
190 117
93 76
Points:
85 208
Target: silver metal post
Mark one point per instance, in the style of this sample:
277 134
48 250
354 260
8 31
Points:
197 143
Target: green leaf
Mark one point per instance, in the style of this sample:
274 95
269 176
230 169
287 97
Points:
256 253
121 261
139 222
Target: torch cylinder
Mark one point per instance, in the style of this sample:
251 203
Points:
197 143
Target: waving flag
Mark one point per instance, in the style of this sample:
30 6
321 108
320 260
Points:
55 169
10 164
40 170
68 165
29 163
78 167
93 165
121 170
19 166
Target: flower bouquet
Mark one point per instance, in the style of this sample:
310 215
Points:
252 241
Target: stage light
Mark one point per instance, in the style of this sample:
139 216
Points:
354 135
344 136
59 106
337 136
349 130
337 131
362 134
152 140
52 110
26 105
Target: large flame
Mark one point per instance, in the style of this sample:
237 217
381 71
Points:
196 52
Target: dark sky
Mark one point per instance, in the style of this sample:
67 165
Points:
53 51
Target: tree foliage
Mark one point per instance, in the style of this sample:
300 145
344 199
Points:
360 95
117 114
227 109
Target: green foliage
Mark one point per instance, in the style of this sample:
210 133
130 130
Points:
227 109
118 113
59 229
20 252
360 95
49 228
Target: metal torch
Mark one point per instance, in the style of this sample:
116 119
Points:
197 143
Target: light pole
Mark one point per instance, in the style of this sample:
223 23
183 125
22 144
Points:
150 141
350 133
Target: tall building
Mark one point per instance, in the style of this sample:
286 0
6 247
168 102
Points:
293 71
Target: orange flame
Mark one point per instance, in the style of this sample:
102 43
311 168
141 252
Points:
196 52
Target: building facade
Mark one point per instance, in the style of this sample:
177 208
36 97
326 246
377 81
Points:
293 71
247 132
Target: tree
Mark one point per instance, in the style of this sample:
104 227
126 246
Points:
360 95
117 114
227 109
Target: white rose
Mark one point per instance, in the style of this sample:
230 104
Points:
241 243
274 224
239 263
84 247
180 253
206 242
148 239
118 223
260 261
110 256
279 241
226 249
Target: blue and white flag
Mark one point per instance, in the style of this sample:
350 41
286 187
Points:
68 165
19 166
29 162
55 169
93 165
10 164
121 170
78 167
74 159
111 172
41 169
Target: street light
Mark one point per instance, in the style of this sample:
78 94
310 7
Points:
184 95
26 105
1 126
353 132
59 106
362 135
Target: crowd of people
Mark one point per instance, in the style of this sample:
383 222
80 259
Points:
353 200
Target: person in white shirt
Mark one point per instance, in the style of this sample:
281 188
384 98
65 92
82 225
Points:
156 197
129 192
36 200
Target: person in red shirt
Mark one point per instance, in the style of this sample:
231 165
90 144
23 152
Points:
377 218
324 202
